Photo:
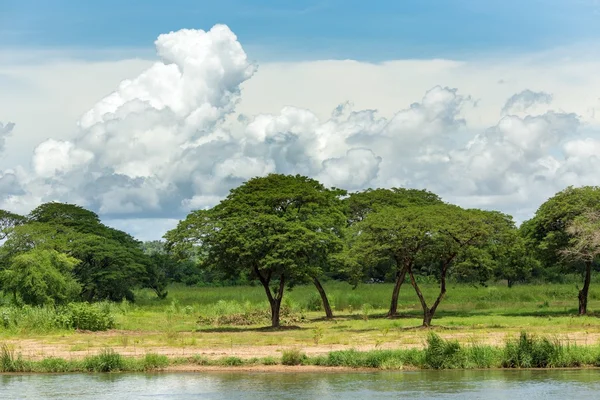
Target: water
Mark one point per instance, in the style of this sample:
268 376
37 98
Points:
468 385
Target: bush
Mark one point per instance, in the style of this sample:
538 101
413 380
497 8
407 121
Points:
85 316
154 361
232 361
442 354
106 361
532 352
54 364
293 357
10 363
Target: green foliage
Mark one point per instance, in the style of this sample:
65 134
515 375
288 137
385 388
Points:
546 233
443 354
9 220
55 365
108 270
107 361
293 357
9 362
153 361
360 204
279 230
532 352
85 316
41 276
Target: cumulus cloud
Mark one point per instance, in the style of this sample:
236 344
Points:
525 100
5 130
169 140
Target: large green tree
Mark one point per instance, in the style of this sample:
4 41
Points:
547 234
375 265
278 229
455 233
398 236
111 262
41 276
584 247
9 220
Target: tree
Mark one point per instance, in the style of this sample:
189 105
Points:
107 270
584 247
453 232
111 262
8 221
430 238
399 235
279 229
41 276
548 236
358 206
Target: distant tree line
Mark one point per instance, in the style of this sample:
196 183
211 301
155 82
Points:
280 231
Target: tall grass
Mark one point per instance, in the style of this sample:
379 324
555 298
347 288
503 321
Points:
525 352
344 298
45 319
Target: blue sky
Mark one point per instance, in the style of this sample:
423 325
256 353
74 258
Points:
309 29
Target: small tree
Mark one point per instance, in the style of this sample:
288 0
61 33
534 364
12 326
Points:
9 220
584 247
41 277
278 229
363 259
400 235
453 232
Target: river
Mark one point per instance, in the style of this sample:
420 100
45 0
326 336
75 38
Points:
467 385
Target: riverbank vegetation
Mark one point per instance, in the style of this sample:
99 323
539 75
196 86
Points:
525 352
284 260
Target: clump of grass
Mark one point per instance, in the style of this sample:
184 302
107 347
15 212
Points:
481 356
442 354
153 361
199 360
293 357
532 352
9 362
231 361
55 365
269 361
107 361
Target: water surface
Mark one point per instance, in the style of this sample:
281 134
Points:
468 385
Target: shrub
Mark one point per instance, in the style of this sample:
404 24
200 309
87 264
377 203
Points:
54 364
232 361
85 316
442 354
10 363
293 357
106 361
154 361
532 352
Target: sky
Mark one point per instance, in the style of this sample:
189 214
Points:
145 110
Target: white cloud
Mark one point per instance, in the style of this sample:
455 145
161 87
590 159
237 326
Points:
180 132
5 130
525 100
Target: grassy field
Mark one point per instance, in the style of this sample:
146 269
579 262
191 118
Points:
231 321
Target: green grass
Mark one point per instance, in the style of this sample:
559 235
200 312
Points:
231 317
528 351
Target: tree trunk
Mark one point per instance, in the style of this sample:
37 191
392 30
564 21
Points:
275 312
274 301
583 293
427 316
431 312
400 275
324 299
